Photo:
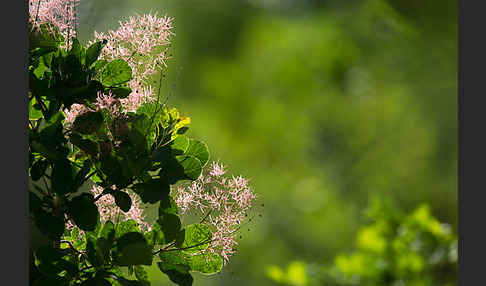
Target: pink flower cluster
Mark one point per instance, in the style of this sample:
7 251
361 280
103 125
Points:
60 13
110 211
142 42
222 202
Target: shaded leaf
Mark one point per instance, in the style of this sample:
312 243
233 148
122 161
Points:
62 177
120 92
83 211
50 225
38 169
88 123
170 224
125 227
93 52
152 191
122 200
132 249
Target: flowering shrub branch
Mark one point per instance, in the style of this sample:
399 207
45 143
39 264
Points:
94 123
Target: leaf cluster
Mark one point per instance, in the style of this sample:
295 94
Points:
143 152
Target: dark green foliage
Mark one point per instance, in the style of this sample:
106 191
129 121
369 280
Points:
93 52
132 249
153 190
88 122
38 169
50 225
62 177
83 212
122 200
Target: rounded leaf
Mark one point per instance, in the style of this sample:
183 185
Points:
122 200
115 73
199 150
83 211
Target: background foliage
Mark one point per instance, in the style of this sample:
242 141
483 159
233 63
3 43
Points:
324 104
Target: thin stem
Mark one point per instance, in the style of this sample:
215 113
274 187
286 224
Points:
48 190
71 246
206 216
99 196
36 13
89 176
183 248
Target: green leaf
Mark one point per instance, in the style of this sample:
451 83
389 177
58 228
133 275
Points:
152 191
181 279
35 203
50 225
111 165
141 275
168 206
126 282
191 165
82 173
93 254
132 249
93 52
85 144
83 211
50 261
103 246
120 92
51 281
75 48
46 36
99 64
155 236
84 94
207 263
38 169
182 167
197 237
52 130
172 260
122 200
34 113
75 234
126 227
170 224
176 266
179 145
115 73
199 150
108 231
62 177
96 281
88 123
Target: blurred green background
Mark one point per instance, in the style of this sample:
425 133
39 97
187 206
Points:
324 105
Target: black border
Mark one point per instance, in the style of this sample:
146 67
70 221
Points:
472 143
14 138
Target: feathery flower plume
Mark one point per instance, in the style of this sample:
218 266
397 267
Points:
142 42
60 13
110 211
222 202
